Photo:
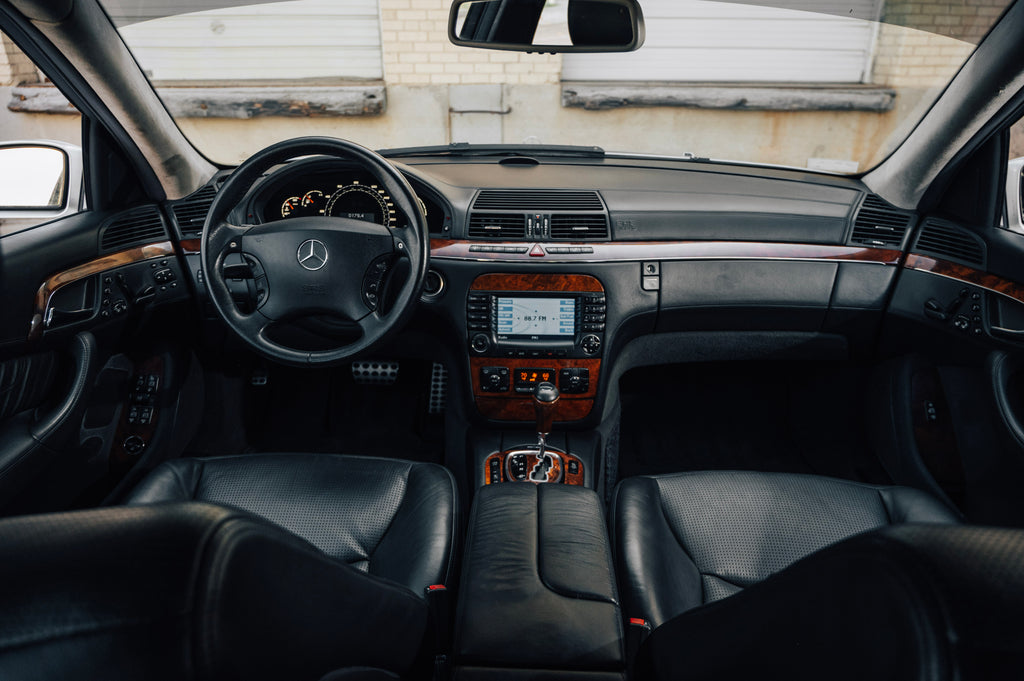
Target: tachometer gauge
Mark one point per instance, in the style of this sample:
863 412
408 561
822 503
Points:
362 202
290 205
313 202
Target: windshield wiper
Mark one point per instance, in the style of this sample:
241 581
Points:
502 150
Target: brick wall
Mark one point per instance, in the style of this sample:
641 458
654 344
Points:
417 52
945 35
15 67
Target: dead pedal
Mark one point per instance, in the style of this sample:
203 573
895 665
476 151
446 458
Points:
375 373
438 388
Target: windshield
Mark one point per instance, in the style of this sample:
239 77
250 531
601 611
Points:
815 84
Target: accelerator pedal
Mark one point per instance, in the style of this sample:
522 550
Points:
375 373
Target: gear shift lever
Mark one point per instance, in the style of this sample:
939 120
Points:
545 399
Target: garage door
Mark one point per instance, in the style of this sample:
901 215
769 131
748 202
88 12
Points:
232 43
696 41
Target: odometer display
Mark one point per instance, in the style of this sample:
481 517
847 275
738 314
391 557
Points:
361 202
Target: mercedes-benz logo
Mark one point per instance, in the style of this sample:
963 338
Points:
312 254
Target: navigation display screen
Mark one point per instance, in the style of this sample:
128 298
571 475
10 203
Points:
537 317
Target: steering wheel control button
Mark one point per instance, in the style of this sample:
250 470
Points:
312 254
373 280
494 379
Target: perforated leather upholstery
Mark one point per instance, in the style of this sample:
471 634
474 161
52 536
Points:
393 519
688 539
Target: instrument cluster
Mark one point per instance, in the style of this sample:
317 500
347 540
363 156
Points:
353 195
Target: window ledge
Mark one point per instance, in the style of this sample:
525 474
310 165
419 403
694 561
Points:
321 101
597 96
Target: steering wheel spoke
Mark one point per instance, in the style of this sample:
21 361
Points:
317 265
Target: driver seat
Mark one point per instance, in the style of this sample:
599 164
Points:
391 519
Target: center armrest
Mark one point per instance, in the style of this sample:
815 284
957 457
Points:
538 587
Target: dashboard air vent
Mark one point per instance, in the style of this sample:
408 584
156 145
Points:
191 211
578 227
537 200
879 225
497 226
133 228
948 241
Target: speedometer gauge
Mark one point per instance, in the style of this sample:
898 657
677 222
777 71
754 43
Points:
362 202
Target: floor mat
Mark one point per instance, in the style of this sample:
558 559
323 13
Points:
300 410
787 417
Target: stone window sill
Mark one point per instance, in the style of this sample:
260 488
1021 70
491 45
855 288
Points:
599 96
324 101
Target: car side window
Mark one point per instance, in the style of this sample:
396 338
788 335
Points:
1015 180
40 152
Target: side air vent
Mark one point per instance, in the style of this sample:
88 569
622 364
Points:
537 200
949 242
497 226
134 228
578 227
191 211
879 225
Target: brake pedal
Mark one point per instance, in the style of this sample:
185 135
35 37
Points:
375 373
438 389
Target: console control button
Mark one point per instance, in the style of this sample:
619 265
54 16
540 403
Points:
494 379
517 467
591 344
480 343
574 380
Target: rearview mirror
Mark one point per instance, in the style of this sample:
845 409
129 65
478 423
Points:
547 25
33 177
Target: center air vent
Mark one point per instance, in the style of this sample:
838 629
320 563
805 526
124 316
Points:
879 225
497 226
537 200
578 227
134 228
191 211
950 242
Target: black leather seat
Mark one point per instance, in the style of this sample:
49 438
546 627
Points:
192 592
392 519
685 540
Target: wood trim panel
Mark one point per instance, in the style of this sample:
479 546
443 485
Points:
568 478
965 274
582 283
190 246
667 250
56 282
505 409
513 406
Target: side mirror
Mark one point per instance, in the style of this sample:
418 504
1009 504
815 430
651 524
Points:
1015 196
39 181
547 25
33 177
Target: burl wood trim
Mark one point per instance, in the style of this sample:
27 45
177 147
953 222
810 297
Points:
190 246
965 274
537 282
567 478
505 409
58 281
668 250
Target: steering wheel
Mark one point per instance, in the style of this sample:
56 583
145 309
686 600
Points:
315 265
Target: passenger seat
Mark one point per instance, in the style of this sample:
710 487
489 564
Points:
685 540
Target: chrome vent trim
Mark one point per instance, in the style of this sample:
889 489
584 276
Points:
880 225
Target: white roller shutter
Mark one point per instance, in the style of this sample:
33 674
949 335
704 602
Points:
697 41
322 39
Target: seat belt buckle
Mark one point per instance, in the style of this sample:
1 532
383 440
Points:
438 609
636 633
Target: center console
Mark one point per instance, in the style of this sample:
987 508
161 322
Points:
526 329
537 598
